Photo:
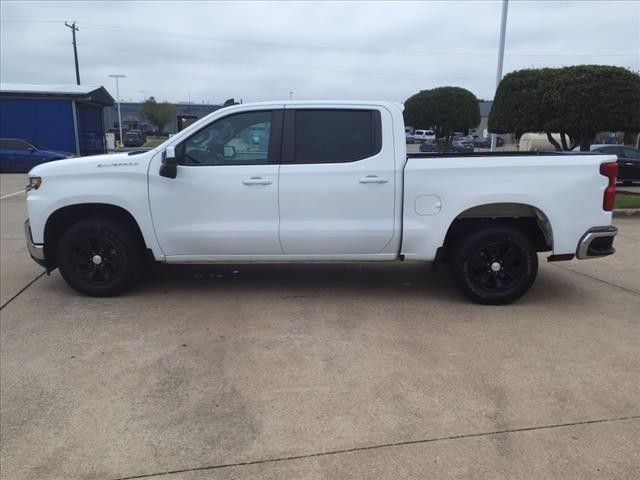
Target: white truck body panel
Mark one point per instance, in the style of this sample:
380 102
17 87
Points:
563 188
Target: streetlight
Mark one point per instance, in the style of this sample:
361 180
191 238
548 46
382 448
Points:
118 99
503 31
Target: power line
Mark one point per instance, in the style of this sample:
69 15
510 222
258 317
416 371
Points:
288 67
345 49
353 49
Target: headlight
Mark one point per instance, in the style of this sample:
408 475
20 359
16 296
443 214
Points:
34 183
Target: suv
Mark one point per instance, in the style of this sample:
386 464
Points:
133 138
422 135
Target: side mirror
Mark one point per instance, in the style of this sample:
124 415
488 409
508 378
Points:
169 167
229 151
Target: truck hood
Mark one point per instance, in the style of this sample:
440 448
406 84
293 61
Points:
110 162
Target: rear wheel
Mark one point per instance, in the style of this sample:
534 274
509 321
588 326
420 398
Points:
98 257
495 265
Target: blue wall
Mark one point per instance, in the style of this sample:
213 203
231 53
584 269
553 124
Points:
46 122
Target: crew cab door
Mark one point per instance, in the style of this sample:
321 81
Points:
223 201
337 182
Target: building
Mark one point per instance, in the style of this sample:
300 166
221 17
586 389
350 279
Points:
59 117
186 113
482 130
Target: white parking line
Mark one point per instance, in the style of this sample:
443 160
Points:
11 194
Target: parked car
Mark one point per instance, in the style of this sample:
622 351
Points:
480 142
429 146
462 145
422 135
628 161
334 183
409 138
486 142
17 155
133 138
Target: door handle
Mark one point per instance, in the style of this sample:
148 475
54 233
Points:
257 181
373 179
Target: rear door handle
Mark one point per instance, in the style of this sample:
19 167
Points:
257 181
373 179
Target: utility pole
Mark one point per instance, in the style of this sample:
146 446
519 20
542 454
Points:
503 31
118 98
75 29
144 94
290 95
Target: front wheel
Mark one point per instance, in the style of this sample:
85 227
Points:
495 265
98 257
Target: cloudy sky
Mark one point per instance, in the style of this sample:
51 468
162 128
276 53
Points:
211 51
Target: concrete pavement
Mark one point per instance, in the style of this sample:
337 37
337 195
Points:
321 371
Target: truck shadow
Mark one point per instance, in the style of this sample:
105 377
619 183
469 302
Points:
313 279
399 280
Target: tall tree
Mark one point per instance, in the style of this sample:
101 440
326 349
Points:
158 114
577 102
445 108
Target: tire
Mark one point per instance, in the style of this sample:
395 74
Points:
494 265
98 258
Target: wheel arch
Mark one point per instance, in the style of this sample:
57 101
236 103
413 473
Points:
529 219
62 218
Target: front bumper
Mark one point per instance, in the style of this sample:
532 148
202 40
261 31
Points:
597 242
36 251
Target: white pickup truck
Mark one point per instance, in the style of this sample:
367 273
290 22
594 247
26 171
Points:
317 182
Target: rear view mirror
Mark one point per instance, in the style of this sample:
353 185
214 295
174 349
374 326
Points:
169 167
229 151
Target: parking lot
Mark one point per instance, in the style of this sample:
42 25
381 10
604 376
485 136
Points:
377 371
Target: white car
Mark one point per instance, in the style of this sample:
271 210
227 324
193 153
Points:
326 182
422 135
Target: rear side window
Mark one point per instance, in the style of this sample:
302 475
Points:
609 150
336 136
13 145
632 153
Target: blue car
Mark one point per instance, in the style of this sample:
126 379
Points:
21 156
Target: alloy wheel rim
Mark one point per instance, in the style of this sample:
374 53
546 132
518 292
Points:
96 259
497 267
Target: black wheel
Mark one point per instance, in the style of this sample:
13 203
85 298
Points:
98 257
495 265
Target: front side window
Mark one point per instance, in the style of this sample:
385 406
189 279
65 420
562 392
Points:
239 139
336 136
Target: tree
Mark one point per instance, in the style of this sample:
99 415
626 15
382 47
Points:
577 102
445 108
158 114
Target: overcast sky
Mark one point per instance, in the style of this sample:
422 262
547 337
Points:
211 51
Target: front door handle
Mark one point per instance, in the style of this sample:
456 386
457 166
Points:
373 179
257 181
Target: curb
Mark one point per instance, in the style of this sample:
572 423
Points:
626 212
